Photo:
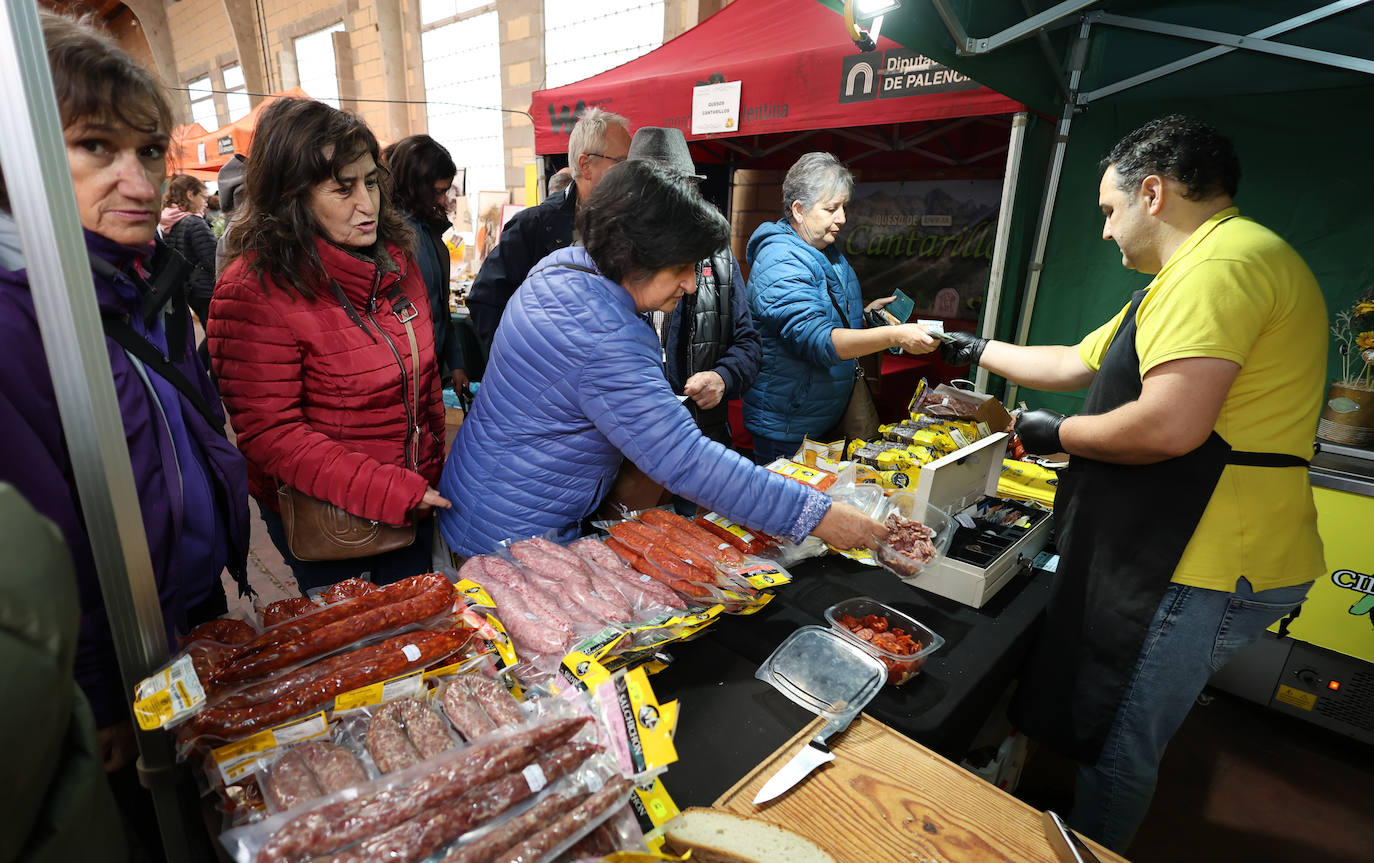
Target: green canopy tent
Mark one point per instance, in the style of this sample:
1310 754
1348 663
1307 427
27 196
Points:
1292 83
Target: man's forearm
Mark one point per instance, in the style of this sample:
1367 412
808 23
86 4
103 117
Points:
1041 367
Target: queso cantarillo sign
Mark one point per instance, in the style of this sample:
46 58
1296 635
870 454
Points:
931 238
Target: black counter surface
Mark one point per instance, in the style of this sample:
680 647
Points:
730 721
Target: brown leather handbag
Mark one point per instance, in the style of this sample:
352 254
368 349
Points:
319 530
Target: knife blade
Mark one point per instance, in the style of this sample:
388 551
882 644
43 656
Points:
808 758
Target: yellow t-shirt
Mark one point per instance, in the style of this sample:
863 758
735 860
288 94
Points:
1234 290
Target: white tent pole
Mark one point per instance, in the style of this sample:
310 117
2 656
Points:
1078 54
43 204
997 273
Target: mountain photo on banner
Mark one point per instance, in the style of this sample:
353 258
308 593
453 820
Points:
930 238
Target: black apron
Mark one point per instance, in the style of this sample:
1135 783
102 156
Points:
1121 531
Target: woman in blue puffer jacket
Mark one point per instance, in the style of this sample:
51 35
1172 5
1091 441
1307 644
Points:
806 304
575 384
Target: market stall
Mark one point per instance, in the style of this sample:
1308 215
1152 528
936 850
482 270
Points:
202 153
1279 78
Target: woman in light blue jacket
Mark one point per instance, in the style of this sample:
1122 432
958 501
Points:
575 383
806 303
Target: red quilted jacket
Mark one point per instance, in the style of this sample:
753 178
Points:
318 401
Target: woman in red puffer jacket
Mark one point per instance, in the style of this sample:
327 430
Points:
329 391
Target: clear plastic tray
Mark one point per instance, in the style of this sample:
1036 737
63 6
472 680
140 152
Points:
824 672
901 667
905 504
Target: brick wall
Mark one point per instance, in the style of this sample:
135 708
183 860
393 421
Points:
204 45
522 72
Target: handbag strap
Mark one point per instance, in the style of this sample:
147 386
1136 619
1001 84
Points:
858 366
405 312
141 349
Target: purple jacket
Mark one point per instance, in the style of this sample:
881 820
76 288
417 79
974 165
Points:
192 484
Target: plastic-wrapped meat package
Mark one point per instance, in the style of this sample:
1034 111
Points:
285 609
533 634
643 591
309 770
403 733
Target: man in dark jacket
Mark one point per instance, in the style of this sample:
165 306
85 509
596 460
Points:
599 141
711 350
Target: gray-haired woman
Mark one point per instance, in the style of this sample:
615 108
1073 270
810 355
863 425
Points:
806 303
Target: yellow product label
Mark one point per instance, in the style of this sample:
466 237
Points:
654 666
1296 698
899 479
814 477
655 735
854 446
764 575
474 594
171 694
240 758
893 459
738 530
502 643
657 803
585 670
755 604
668 713
376 693
812 450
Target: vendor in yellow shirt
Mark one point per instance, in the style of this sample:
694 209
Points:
1186 521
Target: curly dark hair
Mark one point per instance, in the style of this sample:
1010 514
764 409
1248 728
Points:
1181 148
180 189
644 217
277 229
416 164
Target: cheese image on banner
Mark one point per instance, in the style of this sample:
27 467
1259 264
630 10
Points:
715 108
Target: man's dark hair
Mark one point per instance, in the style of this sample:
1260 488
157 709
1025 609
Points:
95 80
278 230
644 217
416 163
1180 148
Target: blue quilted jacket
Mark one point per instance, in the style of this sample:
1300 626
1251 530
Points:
575 379
804 386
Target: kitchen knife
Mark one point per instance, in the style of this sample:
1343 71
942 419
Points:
812 755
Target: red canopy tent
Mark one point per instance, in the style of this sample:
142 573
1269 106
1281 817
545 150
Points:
200 153
800 74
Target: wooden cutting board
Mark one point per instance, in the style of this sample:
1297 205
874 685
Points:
887 798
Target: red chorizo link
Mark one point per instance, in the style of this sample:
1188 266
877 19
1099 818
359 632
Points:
394 656
285 609
512 831
685 531
639 537
690 556
623 551
347 589
225 630
435 597
568 825
340 824
281 684
760 542
678 568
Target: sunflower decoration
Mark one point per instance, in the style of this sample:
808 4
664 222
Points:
1353 331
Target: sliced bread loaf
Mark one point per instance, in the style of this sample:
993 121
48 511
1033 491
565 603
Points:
723 837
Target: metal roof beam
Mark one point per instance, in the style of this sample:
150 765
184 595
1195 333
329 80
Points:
1227 43
967 46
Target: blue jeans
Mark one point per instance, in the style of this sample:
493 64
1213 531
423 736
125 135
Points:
767 449
379 569
1193 633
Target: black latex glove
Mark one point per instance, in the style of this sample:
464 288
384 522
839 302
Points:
962 349
1039 431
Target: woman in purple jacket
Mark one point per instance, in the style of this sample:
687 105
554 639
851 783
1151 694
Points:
191 482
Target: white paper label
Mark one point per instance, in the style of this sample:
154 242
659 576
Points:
534 775
411 652
404 687
715 108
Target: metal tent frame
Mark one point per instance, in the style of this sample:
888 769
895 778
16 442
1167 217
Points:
43 203
1076 99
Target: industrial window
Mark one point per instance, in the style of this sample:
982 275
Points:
463 87
583 39
203 103
316 68
236 92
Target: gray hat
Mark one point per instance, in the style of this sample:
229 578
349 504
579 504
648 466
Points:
667 146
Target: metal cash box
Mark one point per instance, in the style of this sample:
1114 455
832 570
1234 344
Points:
984 556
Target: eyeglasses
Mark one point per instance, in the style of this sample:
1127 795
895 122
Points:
616 159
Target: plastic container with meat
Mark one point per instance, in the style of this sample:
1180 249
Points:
913 543
901 641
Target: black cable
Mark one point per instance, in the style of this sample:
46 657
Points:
382 101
